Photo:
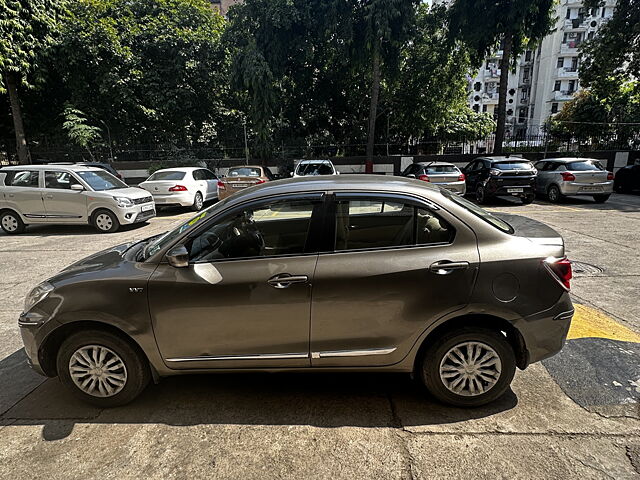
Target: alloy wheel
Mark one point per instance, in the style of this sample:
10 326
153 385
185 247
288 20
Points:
98 371
198 202
10 223
470 369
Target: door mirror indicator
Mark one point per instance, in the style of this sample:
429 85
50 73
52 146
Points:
178 257
76 187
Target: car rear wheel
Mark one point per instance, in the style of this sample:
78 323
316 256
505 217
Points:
481 196
554 195
468 367
198 202
105 221
102 368
527 199
11 223
601 198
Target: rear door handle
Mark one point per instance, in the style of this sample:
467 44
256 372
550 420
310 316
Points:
445 267
285 280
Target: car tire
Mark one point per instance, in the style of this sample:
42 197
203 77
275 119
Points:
198 202
439 373
601 198
89 351
105 221
481 195
554 195
527 199
11 222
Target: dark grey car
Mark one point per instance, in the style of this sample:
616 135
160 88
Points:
346 273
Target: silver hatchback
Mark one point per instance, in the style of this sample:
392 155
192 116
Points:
561 177
441 174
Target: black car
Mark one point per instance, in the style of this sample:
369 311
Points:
105 166
627 179
488 177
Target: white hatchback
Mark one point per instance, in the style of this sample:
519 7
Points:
185 187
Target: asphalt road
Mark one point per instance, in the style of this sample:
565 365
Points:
573 416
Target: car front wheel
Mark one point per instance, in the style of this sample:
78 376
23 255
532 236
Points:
101 368
105 221
468 367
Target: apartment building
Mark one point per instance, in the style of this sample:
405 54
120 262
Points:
544 78
222 6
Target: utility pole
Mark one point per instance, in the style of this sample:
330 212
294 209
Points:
246 143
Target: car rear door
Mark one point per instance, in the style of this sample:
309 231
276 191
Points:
24 194
62 203
397 265
212 183
244 301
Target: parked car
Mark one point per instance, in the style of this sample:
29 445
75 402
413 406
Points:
105 166
489 177
306 168
69 194
627 179
182 187
561 177
445 175
240 178
318 274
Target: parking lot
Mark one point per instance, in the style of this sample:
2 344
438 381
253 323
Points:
574 415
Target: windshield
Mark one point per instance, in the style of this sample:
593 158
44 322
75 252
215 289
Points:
170 175
315 169
520 165
588 166
158 243
244 172
101 180
478 212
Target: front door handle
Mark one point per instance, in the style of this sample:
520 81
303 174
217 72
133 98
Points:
49 196
285 280
445 267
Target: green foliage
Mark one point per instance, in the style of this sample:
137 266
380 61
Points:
464 123
27 29
79 130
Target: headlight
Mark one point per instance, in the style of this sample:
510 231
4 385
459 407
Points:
124 202
36 295
495 171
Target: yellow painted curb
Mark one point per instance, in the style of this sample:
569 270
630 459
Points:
591 323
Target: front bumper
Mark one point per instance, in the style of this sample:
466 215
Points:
34 328
184 199
575 188
136 213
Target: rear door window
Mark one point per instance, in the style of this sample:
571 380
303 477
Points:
23 178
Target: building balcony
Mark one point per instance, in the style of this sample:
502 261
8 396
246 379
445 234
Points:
579 23
490 98
525 81
570 47
567 72
563 95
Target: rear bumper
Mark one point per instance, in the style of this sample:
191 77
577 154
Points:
184 199
499 189
574 188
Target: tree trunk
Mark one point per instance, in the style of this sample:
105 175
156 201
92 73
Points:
373 110
502 92
11 80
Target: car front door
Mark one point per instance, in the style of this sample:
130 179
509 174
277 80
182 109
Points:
398 265
244 301
60 201
542 178
212 184
472 173
24 194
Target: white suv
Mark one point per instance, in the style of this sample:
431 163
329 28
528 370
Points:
306 168
69 194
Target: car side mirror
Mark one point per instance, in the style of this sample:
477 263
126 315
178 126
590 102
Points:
76 187
178 257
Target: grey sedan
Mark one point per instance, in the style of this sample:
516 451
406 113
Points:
442 174
316 274
561 177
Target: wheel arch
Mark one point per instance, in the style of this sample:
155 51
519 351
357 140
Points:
491 322
48 351
93 212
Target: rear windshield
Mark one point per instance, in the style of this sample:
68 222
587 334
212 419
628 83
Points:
315 169
478 212
434 169
589 165
244 172
520 165
172 175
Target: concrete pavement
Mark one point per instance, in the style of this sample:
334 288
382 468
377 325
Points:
350 425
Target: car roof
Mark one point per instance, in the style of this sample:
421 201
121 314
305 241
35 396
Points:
52 166
180 169
568 159
245 166
314 161
503 159
435 164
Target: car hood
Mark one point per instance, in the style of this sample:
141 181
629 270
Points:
535 231
130 192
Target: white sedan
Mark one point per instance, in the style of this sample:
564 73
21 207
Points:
186 187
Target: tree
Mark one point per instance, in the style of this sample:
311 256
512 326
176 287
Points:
510 25
27 29
79 130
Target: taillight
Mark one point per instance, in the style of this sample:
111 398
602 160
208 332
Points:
568 177
424 178
461 177
610 176
560 269
178 188
221 185
260 181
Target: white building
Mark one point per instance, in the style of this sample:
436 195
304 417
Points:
544 79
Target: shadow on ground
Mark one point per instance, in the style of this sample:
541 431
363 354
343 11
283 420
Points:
315 399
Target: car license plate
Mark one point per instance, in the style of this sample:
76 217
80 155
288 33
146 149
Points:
515 190
239 185
146 208
591 189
